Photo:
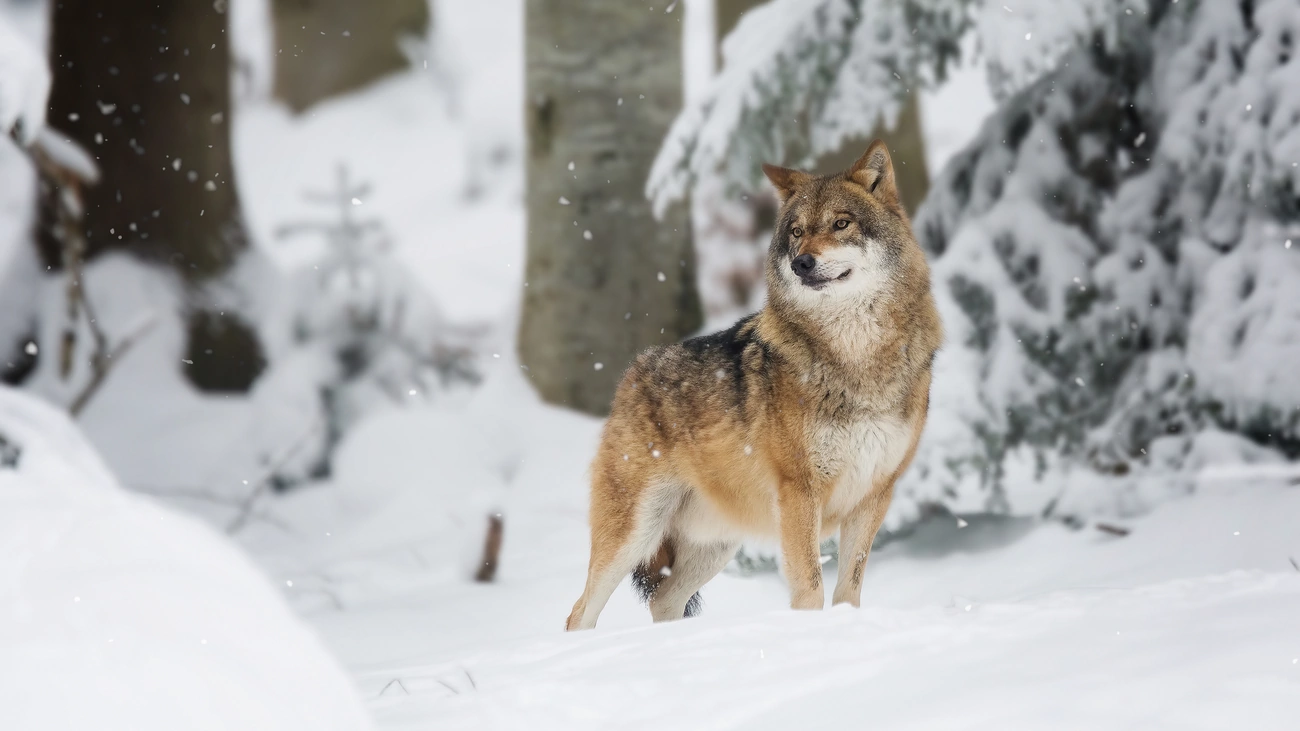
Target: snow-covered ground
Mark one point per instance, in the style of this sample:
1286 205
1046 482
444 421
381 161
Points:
1187 622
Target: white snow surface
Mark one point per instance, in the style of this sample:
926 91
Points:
1187 622
1078 660
120 614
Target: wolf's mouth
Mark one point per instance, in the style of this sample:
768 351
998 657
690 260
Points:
820 283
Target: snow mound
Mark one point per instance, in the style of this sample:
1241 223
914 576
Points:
1078 659
121 614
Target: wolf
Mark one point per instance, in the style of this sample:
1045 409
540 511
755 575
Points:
794 423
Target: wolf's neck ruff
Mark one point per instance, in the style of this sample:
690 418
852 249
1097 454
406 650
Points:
868 346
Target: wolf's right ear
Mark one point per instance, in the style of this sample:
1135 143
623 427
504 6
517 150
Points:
785 180
875 172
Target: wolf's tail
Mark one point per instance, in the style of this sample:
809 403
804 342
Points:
647 577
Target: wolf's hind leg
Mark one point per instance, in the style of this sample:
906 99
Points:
693 566
624 534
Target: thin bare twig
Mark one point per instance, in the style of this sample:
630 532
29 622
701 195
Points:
472 684
69 170
67 178
205 496
398 681
1114 530
487 568
1295 565
103 358
263 483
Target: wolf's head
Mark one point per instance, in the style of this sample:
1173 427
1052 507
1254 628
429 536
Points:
842 240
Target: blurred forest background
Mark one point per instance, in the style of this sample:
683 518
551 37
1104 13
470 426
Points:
354 282
326 212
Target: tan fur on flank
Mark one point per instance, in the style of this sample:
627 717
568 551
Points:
794 423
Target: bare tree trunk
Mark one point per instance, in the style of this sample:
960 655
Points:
144 86
604 279
328 47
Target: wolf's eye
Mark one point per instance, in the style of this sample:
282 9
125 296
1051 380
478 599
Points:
842 223
797 232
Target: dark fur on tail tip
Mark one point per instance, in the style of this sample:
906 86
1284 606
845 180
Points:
646 579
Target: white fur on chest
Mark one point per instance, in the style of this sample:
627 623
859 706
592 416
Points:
859 455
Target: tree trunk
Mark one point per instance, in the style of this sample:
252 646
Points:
604 279
328 47
144 87
906 143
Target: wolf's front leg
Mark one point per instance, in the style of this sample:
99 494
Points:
800 525
857 533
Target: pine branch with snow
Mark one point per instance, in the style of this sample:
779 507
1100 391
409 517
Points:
800 78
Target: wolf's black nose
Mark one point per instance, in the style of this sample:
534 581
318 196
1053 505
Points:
803 264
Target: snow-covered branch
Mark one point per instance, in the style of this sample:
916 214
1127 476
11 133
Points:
800 77
24 86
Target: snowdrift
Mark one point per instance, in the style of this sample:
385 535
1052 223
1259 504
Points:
120 614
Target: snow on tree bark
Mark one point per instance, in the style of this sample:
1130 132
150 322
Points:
604 278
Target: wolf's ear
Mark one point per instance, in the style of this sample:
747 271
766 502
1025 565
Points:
785 180
875 172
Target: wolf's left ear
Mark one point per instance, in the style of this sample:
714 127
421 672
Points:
875 172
